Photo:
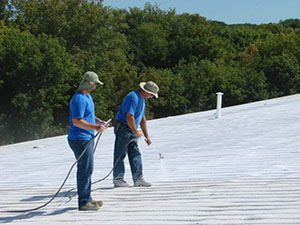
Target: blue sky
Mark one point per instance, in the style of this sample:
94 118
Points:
228 11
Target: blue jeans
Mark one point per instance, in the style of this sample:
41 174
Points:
126 143
85 168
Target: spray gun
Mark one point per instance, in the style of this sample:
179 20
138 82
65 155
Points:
103 122
160 155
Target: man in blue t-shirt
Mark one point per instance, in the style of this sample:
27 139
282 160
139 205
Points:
130 116
83 124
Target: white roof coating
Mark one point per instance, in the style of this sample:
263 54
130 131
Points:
242 168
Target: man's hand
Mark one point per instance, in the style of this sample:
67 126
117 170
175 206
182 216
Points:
138 134
131 123
102 122
148 141
107 123
100 128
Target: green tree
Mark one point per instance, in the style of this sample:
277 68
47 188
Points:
294 23
171 99
198 76
189 37
46 46
35 75
283 74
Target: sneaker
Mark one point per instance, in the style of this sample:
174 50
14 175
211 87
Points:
90 206
141 183
120 183
99 203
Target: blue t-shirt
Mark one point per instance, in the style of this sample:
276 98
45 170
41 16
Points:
134 104
81 106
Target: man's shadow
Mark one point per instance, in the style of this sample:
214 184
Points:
27 215
61 194
33 213
22 216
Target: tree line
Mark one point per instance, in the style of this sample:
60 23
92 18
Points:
47 45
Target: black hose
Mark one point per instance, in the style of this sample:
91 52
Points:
102 179
132 140
55 195
70 170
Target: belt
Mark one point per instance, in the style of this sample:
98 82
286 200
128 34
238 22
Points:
119 123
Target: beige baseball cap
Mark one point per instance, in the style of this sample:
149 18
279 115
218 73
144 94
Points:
88 80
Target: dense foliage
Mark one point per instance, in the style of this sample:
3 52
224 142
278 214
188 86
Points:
46 46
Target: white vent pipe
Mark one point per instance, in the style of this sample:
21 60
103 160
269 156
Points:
219 104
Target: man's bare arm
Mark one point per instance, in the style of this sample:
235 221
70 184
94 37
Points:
131 123
83 124
145 130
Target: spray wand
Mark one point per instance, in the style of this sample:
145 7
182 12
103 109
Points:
160 155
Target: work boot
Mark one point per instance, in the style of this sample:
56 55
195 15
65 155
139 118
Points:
90 206
141 183
99 203
120 183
